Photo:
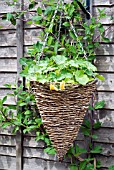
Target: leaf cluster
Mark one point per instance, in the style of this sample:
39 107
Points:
65 49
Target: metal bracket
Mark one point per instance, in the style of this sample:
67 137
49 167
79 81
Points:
86 9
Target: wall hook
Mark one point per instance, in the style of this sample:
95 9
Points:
86 9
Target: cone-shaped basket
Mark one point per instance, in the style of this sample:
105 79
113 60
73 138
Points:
62 112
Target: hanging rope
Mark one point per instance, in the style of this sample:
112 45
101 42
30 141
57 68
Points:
47 34
59 32
74 31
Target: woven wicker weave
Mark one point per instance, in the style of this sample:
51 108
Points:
62 112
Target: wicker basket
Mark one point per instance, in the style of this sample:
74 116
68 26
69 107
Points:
62 112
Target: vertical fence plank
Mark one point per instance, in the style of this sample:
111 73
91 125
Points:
20 54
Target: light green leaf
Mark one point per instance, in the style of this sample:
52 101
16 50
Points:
99 105
4 99
106 39
72 35
73 167
111 167
73 63
4 125
22 104
90 108
59 59
97 149
50 151
27 112
48 10
79 151
61 49
12 107
9 16
9 86
66 24
29 22
39 10
37 18
97 125
71 10
94 136
100 77
81 78
56 47
50 39
83 165
43 80
1 104
90 66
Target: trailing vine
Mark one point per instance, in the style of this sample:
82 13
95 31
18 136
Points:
64 53
30 120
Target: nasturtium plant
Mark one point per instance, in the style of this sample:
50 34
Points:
64 50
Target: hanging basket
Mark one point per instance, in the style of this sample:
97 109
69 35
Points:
62 112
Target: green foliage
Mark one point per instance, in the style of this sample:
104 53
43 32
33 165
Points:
28 118
73 167
98 105
111 168
96 149
50 150
59 54
10 17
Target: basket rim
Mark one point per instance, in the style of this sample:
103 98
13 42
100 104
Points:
66 84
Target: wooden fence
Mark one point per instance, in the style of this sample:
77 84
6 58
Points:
33 156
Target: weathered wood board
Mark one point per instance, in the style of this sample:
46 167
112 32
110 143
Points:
8 38
109 14
40 164
108 98
31 36
7 151
105 135
106 117
7 140
5 25
108 33
7 163
107 84
7 131
106 161
105 49
5 8
102 2
10 99
107 149
7 78
105 63
8 52
8 65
